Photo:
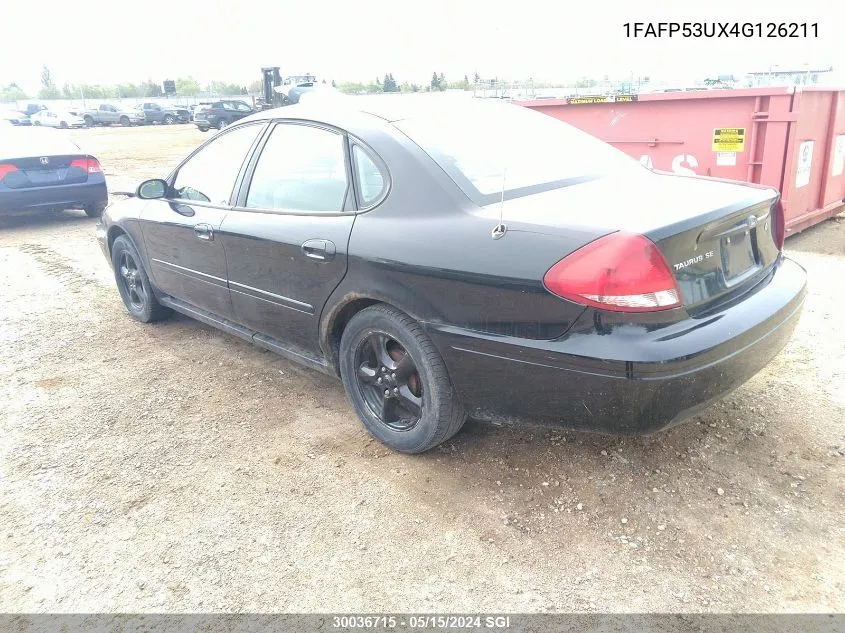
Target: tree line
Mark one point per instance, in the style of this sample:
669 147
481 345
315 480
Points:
185 87
389 84
190 87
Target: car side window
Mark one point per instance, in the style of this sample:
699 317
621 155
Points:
301 168
242 107
210 174
371 180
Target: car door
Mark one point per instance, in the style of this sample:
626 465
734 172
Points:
241 110
108 113
286 240
181 233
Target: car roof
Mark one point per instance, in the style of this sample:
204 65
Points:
390 107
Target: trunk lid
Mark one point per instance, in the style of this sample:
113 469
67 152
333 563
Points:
44 171
716 236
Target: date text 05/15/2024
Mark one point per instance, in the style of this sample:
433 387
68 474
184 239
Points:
722 29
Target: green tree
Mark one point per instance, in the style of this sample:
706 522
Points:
223 88
127 91
187 87
435 82
476 78
389 84
48 88
49 92
12 92
149 88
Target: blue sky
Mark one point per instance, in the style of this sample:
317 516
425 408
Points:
362 39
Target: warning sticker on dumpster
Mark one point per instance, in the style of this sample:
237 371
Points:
805 162
839 155
729 139
726 159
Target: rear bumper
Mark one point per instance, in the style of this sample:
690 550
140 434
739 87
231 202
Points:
56 197
625 379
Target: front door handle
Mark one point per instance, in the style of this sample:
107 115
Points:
323 250
204 231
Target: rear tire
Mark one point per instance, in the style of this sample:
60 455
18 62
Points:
134 284
124 121
383 349
94 210
89 121
169 120
63 125
222 123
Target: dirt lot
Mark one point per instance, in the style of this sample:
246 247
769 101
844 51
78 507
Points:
174 468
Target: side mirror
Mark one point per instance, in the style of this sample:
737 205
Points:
152 189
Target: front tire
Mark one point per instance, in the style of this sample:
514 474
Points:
397 381
134 284
169 120
63 125
124 121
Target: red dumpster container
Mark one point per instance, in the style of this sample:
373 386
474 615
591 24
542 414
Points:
788 138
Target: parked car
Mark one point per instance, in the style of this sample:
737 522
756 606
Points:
154 113
32 108
466 258
43 169
202 105
221 113
15 118
57 118
108 114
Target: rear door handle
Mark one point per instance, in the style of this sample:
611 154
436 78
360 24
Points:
204 231
323 250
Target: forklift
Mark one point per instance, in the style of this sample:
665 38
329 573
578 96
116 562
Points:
279 91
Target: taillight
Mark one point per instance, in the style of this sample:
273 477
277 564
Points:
6 168
622 272
90 165
778 224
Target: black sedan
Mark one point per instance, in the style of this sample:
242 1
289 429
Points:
42 169
220 114
452 258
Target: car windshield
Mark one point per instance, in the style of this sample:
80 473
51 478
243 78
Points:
488 146
16 142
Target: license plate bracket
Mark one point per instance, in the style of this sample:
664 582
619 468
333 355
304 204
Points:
738 256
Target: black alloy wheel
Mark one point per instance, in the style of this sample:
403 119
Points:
397 381
389 382
134 284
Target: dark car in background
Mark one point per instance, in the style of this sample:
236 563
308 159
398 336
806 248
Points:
43 169
447 259
221 113
155 113
15 118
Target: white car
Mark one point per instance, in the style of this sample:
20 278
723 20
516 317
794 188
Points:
57 118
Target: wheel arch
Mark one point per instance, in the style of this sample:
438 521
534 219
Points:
335 319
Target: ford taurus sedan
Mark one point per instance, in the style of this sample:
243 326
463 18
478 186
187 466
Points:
447 259
44 170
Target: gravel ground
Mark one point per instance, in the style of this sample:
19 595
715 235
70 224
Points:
174 468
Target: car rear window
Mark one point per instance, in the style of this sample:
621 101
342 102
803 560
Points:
490 146
16 142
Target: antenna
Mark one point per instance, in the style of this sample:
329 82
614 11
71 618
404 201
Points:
500 229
